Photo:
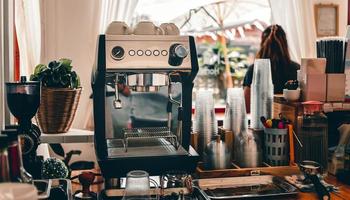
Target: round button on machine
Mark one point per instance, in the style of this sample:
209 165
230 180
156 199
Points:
156 52
139 52
164 52
148 52
132 52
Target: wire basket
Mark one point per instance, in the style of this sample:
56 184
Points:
57 109
276 146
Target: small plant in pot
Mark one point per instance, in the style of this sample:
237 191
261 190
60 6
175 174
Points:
292 90
60 95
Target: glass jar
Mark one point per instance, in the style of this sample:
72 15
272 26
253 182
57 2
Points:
312 130
16 169
4 165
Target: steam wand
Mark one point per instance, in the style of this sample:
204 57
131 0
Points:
117 102
172 101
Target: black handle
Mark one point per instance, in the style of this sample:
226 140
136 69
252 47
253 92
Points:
321 190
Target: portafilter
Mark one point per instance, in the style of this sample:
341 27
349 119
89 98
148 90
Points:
310 170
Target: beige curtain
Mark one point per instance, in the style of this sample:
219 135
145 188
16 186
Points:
116 10
29 32
297 19
70 30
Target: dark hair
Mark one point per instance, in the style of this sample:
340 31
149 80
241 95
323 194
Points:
275 47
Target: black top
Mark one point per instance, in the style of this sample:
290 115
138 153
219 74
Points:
291 74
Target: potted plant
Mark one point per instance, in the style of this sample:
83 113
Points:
60 95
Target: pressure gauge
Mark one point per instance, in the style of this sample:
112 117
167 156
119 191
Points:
118 53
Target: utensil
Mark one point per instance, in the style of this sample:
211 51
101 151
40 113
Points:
176 179
85 179
311 169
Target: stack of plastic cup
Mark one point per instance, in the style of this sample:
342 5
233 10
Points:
248 149
205 121
235 115
261 93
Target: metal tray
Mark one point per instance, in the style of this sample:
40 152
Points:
244 187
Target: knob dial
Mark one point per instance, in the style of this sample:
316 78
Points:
118 53
177 53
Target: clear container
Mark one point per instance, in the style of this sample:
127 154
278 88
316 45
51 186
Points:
261 93
217 155
205 120
313 133
16 169
235 115
248 149
4 165
137 185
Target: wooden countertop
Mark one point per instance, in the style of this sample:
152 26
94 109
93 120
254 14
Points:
343 194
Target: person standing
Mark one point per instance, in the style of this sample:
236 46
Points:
273 46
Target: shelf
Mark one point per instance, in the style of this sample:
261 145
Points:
72 136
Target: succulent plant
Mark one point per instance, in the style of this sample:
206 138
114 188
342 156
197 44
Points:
57 74
291 85
54 168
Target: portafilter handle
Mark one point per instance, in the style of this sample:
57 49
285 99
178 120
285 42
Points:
321 190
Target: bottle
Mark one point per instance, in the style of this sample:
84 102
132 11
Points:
4 165
16 169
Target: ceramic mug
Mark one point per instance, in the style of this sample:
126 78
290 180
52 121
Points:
118 28
170 29
147 28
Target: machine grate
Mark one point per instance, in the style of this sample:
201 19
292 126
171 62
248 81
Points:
149 133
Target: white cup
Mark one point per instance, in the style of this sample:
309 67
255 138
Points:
147 28
118 28
170 29
18 191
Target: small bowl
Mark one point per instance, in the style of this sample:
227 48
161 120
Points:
291 95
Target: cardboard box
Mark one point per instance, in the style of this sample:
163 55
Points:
335 87
314 87
313 65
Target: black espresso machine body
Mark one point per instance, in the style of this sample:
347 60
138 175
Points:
116 55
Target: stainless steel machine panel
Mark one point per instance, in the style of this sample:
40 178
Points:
126 53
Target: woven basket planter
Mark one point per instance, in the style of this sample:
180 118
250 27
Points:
57 109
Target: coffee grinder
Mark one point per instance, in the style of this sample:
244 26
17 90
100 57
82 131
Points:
23 100
144 64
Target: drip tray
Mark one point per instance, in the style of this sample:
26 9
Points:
143 147
245 187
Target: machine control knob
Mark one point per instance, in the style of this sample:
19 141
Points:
118 53
177 53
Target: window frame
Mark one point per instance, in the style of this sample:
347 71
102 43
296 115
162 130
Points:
6 55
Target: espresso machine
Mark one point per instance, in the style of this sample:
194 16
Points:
145 64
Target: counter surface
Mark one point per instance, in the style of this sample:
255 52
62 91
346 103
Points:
343 194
